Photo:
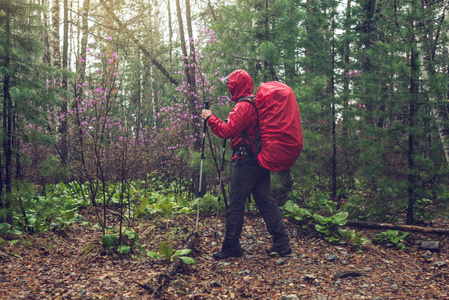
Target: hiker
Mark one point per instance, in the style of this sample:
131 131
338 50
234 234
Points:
247 176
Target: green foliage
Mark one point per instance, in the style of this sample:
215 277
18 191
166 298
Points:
10 244
109 240
208 203
169 254
391 236
126 246
123 249
5 228
38 213
354 237
328 227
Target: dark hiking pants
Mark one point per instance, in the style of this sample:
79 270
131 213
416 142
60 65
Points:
248 177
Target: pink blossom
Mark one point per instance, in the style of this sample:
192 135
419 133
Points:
111 61
87 49
102 54
109 37
81 59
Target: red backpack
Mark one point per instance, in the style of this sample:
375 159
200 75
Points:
280 126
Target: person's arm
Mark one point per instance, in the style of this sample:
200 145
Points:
237 120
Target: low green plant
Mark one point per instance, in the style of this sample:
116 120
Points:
354 237
5 228
130 238
169 254
301 215
208 203
391 236
328 227
164 205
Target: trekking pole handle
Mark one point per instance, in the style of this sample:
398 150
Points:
206 106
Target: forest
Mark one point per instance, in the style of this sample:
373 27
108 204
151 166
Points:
108 189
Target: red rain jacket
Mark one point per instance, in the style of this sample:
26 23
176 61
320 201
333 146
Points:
244 115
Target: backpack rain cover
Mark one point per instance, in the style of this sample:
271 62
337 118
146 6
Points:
280 126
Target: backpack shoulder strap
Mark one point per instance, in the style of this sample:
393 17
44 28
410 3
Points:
249 99
246 140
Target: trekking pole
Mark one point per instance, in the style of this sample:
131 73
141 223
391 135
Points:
220 182
206 106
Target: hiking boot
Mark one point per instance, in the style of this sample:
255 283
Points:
281 252
237 252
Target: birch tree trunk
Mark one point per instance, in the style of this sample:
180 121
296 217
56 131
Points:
85 30
170 32
439 111
188 74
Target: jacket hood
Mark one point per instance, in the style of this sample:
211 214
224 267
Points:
240 84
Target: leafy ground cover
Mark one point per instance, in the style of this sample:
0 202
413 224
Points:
51 265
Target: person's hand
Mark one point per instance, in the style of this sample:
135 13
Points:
206 113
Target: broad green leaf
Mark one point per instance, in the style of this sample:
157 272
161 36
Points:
320 228
143 204
165 250
291 207
403 236
123 249
321 219
181 252
187 260
4 226
68 215
18 232
153 254
340 218
109 240
184 210
140 247
132 235
14 253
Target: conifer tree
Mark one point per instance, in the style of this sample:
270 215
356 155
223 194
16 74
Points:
23 91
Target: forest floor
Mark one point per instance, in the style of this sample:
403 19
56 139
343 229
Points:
50 266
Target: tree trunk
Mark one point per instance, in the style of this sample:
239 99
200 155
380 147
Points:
55 41
187 71
192 49
212 11
7 119
85 30
346 70
411 137
439 111
47 53
170 32
331 94
413 228
65 49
